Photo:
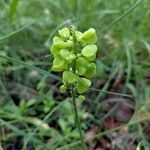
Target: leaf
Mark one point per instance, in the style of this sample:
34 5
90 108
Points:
69 77
38 122
64 33
83 85
17 61
89 52
89 36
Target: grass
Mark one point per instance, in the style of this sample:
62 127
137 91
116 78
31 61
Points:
32 110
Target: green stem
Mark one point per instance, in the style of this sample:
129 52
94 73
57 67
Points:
73 92
77 119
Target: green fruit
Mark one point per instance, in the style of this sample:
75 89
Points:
69 44
66 55
83 85
89 52
64 33
81 65
57 46
57 39
81 97
89 36
69 77
59 64
78 35
91 70
63 88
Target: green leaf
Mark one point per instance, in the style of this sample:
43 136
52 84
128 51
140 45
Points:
89 52
59 64
81 65
68 56
64 33
83 85
91 70
89 36
69 77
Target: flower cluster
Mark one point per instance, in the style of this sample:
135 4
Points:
74 53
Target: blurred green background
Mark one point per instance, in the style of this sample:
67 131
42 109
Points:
33 114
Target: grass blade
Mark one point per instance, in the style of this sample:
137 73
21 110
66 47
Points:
16 31
43 72
113 93
13 8
123 15
105 132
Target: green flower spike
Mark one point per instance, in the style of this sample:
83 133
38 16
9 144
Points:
74 53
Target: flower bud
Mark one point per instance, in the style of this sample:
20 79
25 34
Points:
63 88
81 97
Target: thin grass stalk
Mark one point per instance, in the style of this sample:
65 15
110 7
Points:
77 119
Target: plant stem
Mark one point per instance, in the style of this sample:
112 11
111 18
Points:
77 119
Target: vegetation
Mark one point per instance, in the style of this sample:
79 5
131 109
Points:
114 111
